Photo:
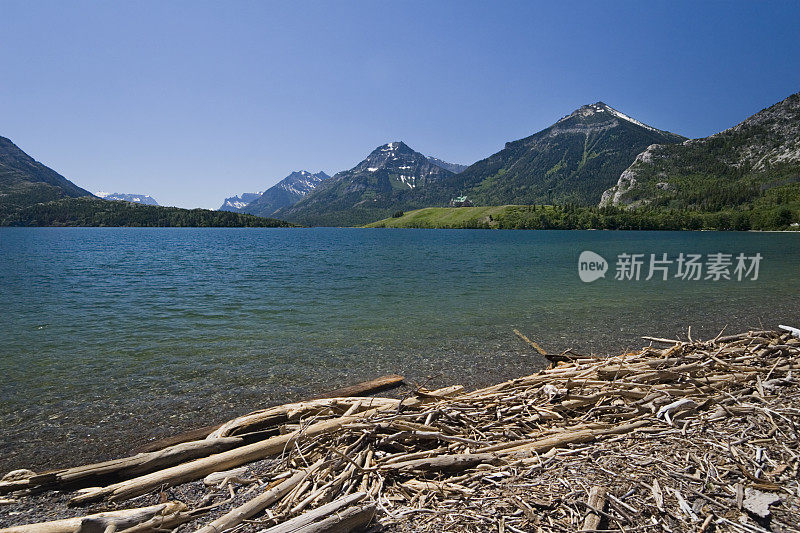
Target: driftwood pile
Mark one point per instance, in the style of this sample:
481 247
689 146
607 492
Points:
698 436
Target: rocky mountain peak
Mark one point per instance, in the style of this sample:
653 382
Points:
601 110
128 197
758 154
397 158
389 149
301 182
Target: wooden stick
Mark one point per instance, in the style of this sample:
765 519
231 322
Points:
226 460
161 523
444 463
366 388
281 414
70 525
351 519
185 436
88 475
570 437
597 500
259 503
663 341
320 513
529 342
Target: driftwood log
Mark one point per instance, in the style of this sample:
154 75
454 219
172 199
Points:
365 388
259 503
698 436
128 467
304 521
121 519
236 457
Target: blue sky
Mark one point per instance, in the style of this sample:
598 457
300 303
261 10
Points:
195 101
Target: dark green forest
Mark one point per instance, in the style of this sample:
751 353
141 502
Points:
96 212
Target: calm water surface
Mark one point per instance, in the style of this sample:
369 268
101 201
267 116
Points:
113 335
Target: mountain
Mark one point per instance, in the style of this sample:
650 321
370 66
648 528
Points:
236 203
452 167
571 162
392 176
285 193
755 163
32 194
135 198
25 181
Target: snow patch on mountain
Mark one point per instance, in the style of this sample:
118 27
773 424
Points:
125 197
600 107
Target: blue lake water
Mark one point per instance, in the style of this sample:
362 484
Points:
113 335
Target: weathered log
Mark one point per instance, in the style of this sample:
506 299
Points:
223 461
128 467
101 524
366 388
596 502
570 437
12 486
162 523
351 519
444 463
259 503
458 462
71 525
185 436
280 414
320 513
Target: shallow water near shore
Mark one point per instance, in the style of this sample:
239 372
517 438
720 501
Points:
114 335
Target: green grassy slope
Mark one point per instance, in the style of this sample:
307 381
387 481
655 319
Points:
760 217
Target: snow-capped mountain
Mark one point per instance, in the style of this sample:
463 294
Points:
236 203
601 107
571 162
135 198
386 178
301 182
285 193
400 166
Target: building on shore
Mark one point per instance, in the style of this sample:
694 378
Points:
460 201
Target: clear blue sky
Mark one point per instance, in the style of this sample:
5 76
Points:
194 101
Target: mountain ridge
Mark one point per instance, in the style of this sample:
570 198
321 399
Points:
235 203
24 181
736 166
573 161
32 194
385 178
285 193
127 197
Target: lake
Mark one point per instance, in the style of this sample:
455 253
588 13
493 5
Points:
112 335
